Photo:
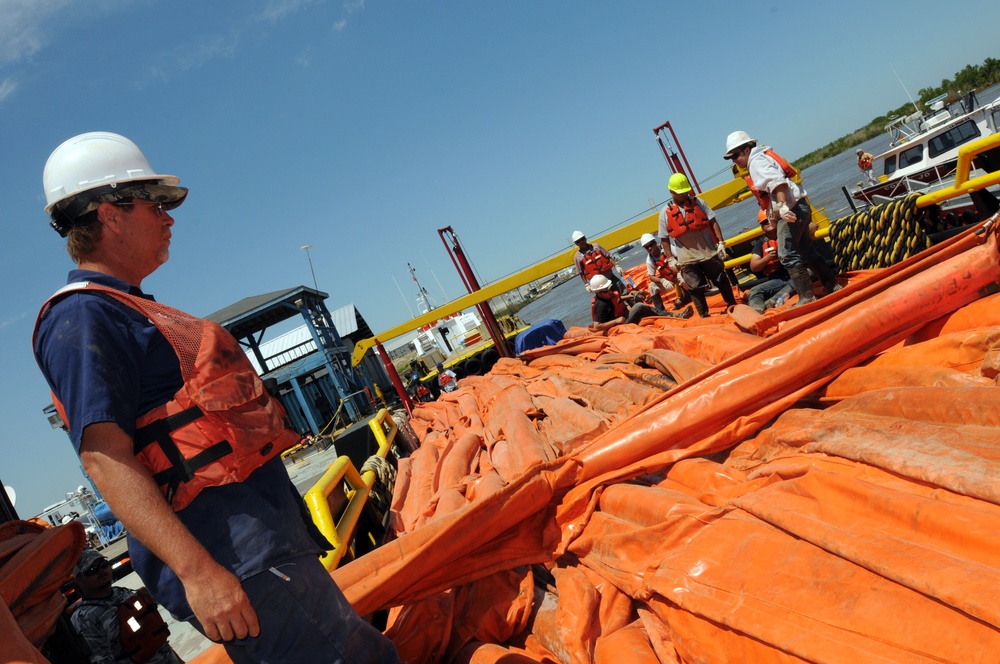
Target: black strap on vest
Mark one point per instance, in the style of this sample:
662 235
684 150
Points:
181 469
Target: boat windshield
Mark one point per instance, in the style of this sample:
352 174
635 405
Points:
952 138
911 156
889 165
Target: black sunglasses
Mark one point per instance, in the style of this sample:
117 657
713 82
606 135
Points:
734 155
157 207
96 567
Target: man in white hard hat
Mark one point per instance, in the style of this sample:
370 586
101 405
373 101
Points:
593 259
690 233
663 279
175 428
610 307
771 180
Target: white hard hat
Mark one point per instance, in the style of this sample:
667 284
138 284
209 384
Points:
737 139
98 162
646 239
576 237
599 282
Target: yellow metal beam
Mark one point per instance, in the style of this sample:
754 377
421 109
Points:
717 197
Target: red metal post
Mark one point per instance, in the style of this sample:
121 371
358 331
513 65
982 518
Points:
397 382
472 284
672 157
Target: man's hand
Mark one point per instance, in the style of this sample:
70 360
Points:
720 249
220 605
780 210
214 594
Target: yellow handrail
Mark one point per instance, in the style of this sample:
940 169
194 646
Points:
384 429
963 185
340 533
317 499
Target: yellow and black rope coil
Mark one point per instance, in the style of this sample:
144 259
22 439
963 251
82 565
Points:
880 236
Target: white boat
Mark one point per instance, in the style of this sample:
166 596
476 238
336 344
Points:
924 147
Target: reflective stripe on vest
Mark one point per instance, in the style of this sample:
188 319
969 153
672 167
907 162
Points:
691 218
662 267
770 268
594 263
141 630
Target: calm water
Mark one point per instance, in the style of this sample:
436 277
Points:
570 303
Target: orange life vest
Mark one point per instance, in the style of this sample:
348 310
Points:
865 161
662 268
770 268
220 426
594 263
764 198
616 301
141 630
690 218
446 382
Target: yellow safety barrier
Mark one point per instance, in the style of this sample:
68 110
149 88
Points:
384 428
318 501
963 185
322 500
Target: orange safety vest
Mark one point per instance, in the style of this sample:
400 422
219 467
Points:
865 161
594 263
446 382
616 301
764 198
220 426
141 630
770 268
662 268
691 218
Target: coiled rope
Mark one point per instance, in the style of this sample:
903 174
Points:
385 479
880 236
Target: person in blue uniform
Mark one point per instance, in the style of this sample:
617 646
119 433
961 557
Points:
239 559
96 618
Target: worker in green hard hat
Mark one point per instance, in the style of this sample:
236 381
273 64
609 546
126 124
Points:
690 234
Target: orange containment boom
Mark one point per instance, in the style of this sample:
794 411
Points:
815 484
817 489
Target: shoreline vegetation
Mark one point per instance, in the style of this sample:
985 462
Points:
972 77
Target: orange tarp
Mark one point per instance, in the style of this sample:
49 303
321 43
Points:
821 488
35 561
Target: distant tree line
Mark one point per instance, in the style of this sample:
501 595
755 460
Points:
972 77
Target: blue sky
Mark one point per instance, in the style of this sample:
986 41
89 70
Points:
360 128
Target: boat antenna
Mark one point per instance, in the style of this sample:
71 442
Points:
915 107
405 301
422 294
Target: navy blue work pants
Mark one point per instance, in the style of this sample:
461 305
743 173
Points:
306 620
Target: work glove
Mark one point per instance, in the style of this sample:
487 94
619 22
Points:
782 211
720 249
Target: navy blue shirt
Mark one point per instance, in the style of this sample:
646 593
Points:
105 362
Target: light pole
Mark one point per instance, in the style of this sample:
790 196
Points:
306 248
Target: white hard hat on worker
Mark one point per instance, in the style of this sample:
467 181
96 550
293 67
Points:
99 167
599 283
736 141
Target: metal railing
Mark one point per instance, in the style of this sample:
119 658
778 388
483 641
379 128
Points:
336 511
